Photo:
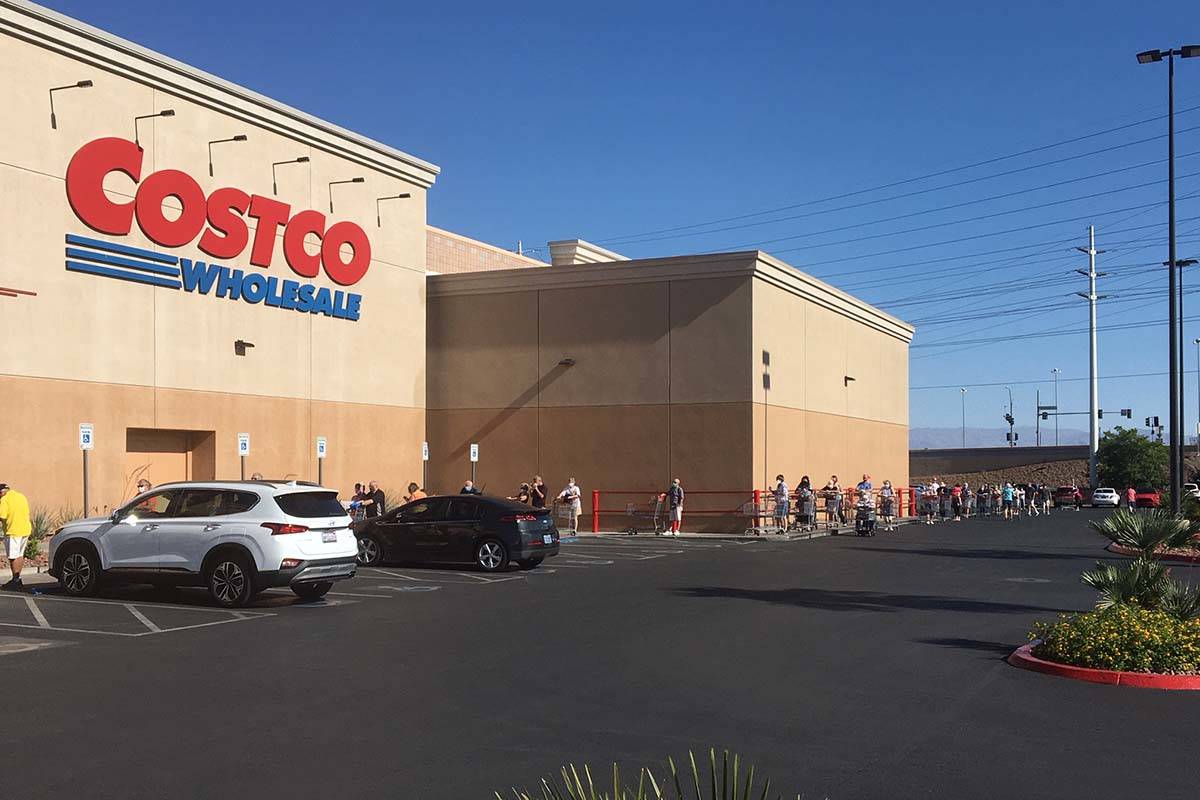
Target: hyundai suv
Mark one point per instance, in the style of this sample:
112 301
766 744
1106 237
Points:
236 538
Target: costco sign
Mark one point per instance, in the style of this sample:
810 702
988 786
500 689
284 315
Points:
219 225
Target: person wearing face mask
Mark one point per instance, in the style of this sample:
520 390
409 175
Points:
573 499
143 486
675 506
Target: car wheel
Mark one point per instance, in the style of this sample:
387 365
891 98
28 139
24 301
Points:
312 591
529 563
370 551
79 572
230 580
491 555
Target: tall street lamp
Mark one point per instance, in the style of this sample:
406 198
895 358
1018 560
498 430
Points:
1055 371
1175 416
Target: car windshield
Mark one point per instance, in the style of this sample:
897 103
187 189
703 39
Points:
310 504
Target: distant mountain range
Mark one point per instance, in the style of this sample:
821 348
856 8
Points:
933 438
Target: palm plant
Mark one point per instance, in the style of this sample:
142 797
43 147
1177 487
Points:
1180 601
1146 532
1142 582
725 783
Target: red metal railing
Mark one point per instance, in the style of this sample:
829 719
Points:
750 503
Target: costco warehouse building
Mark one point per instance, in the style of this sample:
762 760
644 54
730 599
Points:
197 261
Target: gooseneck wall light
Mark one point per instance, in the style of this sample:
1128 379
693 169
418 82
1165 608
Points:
335 183
275 180
378 200
166 112
76 85
241 137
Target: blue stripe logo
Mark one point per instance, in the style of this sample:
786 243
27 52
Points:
110 260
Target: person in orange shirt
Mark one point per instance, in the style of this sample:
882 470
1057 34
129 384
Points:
414 493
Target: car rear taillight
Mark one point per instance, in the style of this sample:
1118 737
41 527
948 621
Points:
278 528
290 563
520 518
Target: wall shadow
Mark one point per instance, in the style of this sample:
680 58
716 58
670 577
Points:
853 600
1001 649
988 553
518 403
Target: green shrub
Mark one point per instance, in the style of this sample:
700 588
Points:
1146 531
723 782
1124 638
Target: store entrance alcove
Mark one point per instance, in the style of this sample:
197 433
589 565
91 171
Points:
162 456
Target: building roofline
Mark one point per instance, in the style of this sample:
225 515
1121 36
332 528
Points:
533 262
753 264
60 33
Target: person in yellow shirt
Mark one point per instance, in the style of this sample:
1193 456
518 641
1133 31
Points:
14 513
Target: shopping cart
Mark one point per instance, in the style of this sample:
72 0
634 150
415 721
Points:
806 511
650 511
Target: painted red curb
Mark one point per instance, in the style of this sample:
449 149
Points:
1113 547
1024 658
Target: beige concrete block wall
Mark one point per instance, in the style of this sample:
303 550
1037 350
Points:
124 355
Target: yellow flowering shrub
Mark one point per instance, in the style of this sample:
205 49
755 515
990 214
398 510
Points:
1122 637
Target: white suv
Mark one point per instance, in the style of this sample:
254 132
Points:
237 538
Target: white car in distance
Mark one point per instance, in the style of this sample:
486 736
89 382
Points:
236 538
1105 498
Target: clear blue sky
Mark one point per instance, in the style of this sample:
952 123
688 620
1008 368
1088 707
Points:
556 120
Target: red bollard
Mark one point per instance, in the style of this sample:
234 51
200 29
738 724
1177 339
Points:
595 510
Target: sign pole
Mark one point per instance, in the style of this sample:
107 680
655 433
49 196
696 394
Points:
474 460
243 460
322 451
425 465
87 440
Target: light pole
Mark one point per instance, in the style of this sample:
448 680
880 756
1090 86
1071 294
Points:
963 393
1012 436
1055 372
1148 57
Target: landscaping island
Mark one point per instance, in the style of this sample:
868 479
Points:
1145 629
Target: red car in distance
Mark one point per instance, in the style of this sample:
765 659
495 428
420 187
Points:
1147 497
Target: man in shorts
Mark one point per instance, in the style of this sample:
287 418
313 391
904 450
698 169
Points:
14 513
782 497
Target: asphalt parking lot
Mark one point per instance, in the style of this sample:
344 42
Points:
843 667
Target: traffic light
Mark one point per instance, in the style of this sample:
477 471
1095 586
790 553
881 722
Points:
1127 412
1100 413
1147 422
1009 419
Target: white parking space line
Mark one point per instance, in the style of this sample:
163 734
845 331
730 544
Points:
358 594
37 613
152 629
560 562
142 618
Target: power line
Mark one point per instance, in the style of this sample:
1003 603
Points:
1038 381
988 199
945 224
905 181
1021 229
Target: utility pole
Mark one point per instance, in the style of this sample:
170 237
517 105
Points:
1093 379
963 392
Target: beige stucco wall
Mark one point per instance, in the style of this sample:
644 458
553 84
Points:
667 379
812 420
126 355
